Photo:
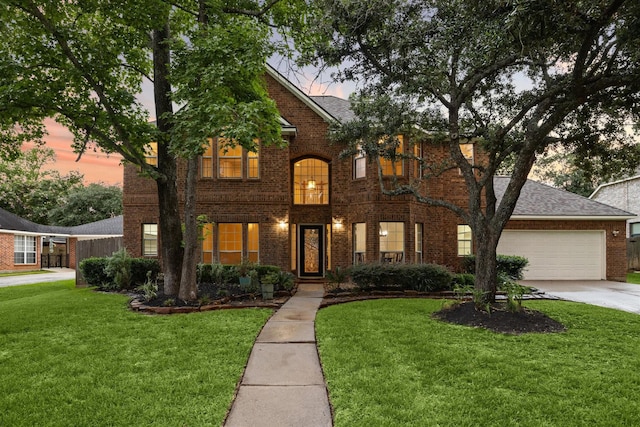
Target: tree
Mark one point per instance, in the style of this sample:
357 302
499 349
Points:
83 205
29 190
516 78
83 63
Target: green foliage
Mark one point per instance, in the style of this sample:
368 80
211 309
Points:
30 190
281 280
463 279
141 268
511 265
418 277
83 205
118 268
149 289
338 275
93 271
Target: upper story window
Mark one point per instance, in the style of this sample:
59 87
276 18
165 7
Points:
151 154
311 182
395 164
359 164
467 152
229 159
206 161
253 164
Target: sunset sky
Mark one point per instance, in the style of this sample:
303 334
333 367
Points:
98 167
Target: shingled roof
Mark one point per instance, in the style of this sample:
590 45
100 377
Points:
339 108
105 227
541 200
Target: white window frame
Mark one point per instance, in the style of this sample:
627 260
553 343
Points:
149 244
465 240
392 248
25 250
419 239
359 164
634 229
359 242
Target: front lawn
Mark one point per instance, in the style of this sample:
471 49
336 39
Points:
633 278
388 363
76 357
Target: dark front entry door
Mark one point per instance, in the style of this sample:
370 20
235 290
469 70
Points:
311 251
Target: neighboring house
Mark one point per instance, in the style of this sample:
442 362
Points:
25 245
623 194
307 210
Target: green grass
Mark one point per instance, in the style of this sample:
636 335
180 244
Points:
76 357
633 278
388 363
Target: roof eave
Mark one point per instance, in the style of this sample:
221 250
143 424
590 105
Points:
571 217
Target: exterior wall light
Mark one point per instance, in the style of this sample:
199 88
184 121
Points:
283 224
615 233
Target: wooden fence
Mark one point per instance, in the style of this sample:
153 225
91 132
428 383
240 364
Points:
95 248
633 253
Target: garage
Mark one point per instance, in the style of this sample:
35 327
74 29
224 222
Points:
557 255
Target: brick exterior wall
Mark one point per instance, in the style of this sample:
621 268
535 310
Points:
269 200
6 255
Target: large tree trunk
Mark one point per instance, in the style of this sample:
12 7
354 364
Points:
188 288
486 265
169 215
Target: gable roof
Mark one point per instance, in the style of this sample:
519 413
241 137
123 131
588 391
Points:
541 201
337 107
106 227
610 184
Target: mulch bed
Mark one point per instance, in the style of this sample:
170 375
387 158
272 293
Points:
500 319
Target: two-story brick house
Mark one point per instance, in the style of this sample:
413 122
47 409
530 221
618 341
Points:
304 208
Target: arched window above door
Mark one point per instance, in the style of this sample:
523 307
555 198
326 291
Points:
311 182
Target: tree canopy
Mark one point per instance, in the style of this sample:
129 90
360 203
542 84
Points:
516 78
83 205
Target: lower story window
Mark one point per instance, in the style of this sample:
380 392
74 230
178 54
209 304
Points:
419 243
464 240
24 249
207 243
149 239
391 242
230 243
253 242
359 242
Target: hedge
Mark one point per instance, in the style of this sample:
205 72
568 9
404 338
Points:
511 265
94 272
418 277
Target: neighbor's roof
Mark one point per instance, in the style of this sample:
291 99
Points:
610 184
540 201
105 227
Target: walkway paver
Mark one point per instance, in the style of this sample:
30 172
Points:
283 383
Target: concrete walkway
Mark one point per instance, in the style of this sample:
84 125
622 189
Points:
283 383
52 275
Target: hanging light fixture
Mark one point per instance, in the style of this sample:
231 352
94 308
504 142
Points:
311 184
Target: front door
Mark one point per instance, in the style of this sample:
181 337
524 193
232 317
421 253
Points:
311 251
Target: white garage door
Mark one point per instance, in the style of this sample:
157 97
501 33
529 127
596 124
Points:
557 255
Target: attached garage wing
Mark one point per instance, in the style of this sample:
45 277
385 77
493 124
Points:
558 255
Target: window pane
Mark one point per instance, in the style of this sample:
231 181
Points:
311 182
417 154
464 240
253 241
359 164
149 239
229 159
253 165
151 153
359 242
230 243
634 229
393 166
207 243
391 241
419 242
467 152
206 166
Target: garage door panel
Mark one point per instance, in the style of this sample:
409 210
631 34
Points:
557 255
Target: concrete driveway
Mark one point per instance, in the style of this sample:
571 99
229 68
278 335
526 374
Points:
618 295
54 275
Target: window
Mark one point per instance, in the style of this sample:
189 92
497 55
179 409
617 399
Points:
394 165
24 249
467 152
253 164
634 229
151 153
206 161
311 182
359 242
419 243
253 242
229 159
417 165
207 243
359 164
149 239
230 243
391 242
464 240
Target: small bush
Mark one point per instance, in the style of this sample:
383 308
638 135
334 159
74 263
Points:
93 271
338 275
463 280
119 269
140 267
511 265
419 277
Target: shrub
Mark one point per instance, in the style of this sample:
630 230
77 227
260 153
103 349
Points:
419 277
140 267
463 280
93 271
338 275
119 269
511 265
